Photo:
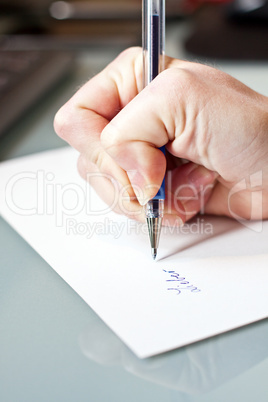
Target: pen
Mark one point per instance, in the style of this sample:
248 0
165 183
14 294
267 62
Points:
153 38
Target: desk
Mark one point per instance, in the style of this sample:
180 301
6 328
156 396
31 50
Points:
52 345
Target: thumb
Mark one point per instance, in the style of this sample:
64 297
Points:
145 166
134 136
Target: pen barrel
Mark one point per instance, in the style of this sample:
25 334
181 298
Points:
153 39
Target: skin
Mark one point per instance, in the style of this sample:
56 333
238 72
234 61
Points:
215 130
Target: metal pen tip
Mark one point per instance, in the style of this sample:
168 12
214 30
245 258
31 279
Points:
154 253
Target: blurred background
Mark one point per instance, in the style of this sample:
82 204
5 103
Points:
40 39
96 21
79 23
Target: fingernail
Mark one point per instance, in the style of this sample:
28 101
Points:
201 176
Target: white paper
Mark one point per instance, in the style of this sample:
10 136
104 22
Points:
106 258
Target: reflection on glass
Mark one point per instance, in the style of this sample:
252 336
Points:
193 369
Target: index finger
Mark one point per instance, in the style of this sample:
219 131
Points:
81 120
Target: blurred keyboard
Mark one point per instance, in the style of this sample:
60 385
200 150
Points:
25 76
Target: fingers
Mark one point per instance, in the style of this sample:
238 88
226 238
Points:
116 196
188 188
81 120
125 154
196 112
151 120
132 139
238 202
193 110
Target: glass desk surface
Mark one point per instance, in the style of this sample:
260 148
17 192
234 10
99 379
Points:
53 347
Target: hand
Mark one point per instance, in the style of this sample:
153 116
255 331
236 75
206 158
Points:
215 130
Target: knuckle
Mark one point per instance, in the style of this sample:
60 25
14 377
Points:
97 158
63 122
111 137
130 52
178 78
59 123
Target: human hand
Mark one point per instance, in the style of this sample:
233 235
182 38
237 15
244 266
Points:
200 114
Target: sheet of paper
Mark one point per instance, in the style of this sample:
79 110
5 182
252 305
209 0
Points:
211 275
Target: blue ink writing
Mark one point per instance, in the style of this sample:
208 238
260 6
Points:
179 283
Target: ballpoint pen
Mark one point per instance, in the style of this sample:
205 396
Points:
153 39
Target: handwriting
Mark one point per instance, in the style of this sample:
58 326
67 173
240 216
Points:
179 283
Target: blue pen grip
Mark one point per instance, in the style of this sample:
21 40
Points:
161 192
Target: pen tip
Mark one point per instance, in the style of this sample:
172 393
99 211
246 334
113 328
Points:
154 253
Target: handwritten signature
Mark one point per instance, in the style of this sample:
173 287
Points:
179 283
